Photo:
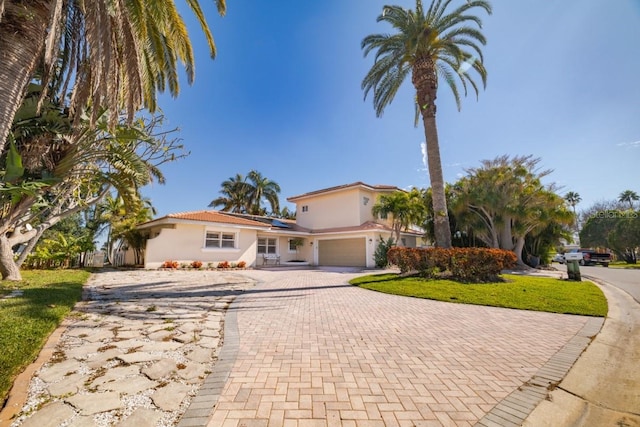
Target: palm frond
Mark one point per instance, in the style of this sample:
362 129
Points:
448 40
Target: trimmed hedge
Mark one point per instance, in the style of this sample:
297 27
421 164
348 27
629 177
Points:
464 264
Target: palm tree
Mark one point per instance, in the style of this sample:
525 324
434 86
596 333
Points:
244 195
262 187
235 195
628 196
572 198
429 45
117 54
286 213
405 209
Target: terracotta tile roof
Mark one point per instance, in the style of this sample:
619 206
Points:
344 187
207 216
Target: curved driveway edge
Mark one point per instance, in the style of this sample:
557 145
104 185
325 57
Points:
202 405
515 408
315 351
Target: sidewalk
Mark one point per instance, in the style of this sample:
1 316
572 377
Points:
603 387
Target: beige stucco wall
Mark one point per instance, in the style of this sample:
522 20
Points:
339 209
185 244
345 208
366 201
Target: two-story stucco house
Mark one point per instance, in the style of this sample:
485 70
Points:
333 227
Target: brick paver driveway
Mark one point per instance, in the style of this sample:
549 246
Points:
315 351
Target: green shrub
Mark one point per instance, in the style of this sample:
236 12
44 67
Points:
464 264
380 255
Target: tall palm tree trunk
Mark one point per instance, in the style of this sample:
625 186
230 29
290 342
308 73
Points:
22 35
425 81
440 213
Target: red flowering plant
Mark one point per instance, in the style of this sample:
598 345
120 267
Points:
170 264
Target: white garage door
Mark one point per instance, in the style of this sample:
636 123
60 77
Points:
343 252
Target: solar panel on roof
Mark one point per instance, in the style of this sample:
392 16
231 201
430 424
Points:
277 223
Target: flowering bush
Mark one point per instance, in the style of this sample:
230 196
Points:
223 264
242 264
169 264
464 264
196 264
480 264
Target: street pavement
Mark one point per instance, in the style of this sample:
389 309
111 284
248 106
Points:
301 348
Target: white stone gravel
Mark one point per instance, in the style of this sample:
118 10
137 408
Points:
123 308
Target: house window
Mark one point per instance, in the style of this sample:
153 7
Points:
305 208
218 239
267 245
365 200
294 244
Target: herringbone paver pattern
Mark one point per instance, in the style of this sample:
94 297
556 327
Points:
315 351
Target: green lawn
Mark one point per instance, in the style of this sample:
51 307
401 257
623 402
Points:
521 292
27 320
622 264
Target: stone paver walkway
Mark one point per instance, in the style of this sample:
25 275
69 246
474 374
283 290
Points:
314 351
135 351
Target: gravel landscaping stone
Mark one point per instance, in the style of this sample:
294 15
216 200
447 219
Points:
121 366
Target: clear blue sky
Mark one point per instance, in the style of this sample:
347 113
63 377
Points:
283 97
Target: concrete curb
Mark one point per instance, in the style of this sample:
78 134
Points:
517 406
602 387
202 405
20 389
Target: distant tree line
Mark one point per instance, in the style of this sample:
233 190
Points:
501 204
614 225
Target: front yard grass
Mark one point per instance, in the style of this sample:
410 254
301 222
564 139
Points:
622 264
41 302
520 292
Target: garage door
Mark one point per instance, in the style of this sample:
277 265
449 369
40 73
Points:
343 252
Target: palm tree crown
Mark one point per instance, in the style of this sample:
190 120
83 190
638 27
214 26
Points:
235 191
115 54
428 45
405 208
245 195
628 196
263 188
572 198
